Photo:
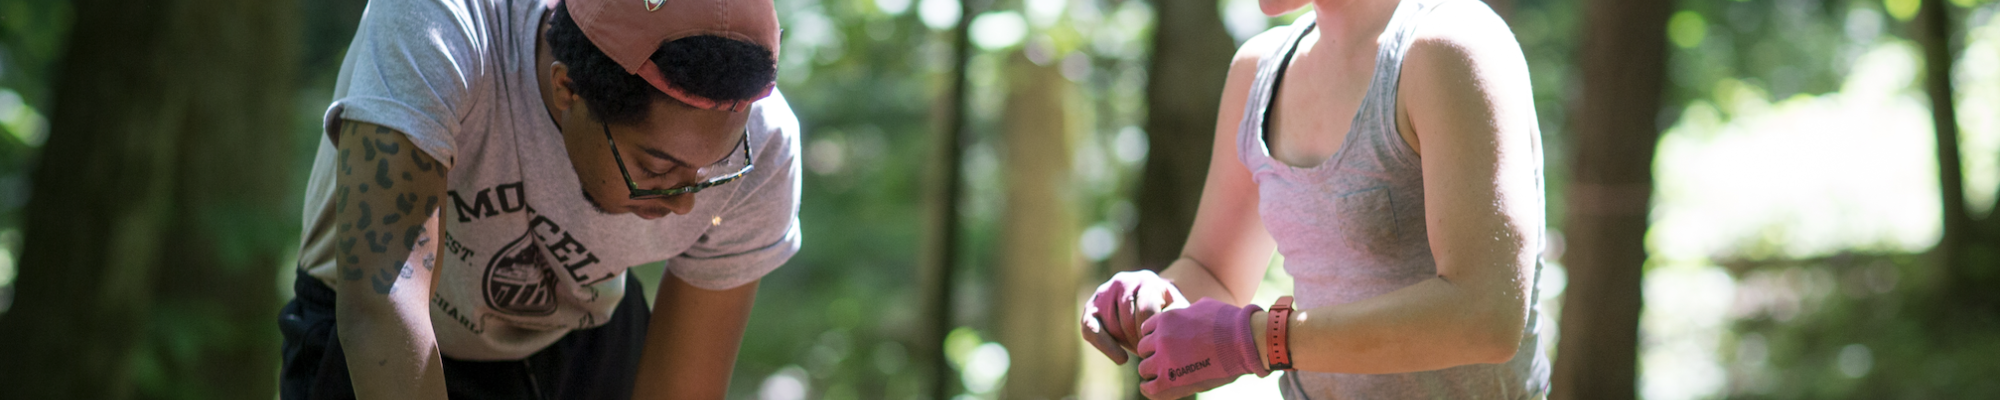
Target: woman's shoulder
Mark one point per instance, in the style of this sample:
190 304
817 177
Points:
1466 26
1254 51
1461 38
1463 51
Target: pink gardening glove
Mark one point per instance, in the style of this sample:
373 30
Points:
1111 319
1194 349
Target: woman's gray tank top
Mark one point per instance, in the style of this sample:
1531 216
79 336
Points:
1353 227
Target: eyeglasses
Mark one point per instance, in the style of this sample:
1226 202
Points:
710 176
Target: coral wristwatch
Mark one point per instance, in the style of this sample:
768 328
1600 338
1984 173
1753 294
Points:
1281 351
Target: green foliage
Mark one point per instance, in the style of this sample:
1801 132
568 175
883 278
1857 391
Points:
1902 10
1687 29
1857 326
1784 47
32 34
868 86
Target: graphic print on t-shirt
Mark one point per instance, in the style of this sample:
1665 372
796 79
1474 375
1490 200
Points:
519 280
512 200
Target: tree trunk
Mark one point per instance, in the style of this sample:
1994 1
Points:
160 218
940 267
1191 56
1934 33
1040 268
1967 248
1623 62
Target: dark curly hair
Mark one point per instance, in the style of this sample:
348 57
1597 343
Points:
708 66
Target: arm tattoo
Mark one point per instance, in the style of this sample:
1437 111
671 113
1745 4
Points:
398 206
347 257
385 280
422 165
346 168
381 246
340 199
362 223
420 237
388 148
382 175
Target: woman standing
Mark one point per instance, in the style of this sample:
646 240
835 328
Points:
1389 150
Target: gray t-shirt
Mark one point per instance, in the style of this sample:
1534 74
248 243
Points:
524 258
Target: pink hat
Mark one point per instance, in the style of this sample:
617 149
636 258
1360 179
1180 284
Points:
629 31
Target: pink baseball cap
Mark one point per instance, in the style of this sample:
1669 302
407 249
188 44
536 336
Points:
629 31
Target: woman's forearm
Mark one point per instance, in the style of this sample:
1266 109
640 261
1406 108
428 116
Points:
1195 281
1434 324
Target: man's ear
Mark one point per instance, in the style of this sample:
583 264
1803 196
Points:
560 85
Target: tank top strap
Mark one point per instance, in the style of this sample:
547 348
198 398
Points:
1250 147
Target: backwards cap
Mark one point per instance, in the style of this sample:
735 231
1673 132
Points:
630 31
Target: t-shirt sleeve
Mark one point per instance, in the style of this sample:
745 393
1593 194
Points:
759 230
411 67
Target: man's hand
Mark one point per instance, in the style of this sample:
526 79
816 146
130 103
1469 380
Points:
386 211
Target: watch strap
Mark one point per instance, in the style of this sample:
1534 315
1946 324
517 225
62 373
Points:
1277 335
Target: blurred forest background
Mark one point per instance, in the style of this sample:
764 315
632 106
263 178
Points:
1762 198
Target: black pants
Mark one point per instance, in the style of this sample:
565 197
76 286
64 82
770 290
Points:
596 363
